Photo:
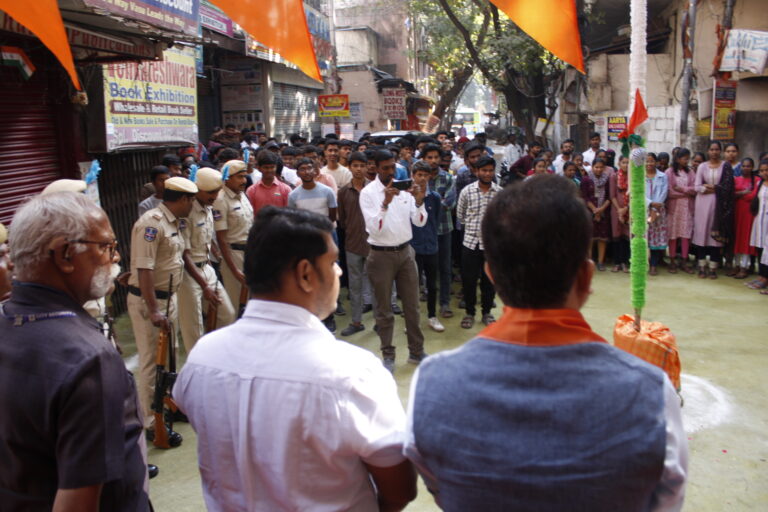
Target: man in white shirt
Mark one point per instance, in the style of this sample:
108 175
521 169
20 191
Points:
594 147
287 417
388 214
512 151
340 174
566 153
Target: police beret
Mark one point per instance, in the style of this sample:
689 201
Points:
180 184
64 185
208 179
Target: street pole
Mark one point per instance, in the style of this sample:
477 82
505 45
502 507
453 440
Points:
687 73
638 58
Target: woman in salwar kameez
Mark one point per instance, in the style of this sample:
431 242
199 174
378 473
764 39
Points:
680 209
656 189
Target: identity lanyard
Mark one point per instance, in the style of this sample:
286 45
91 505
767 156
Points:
19 320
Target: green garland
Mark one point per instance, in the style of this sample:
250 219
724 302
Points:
638 229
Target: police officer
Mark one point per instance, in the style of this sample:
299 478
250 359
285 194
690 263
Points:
200 284
157 245
232 218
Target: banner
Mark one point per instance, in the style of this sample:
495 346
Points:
746 50
333 105
153 102
616 125
177 15
213 18
394 103
724 110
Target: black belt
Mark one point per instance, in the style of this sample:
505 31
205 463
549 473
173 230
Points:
238 247
158 294
389 248
201 264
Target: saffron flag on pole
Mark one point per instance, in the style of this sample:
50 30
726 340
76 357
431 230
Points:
552 23
280 25
42 18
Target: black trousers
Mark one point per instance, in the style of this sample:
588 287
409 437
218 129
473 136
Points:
621 251
715 254
472 262
427 264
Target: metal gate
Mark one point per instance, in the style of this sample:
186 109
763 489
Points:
29 147
295 110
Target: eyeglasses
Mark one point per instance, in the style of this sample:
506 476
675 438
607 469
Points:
111 246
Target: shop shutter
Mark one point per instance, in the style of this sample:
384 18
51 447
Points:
29 152
295 110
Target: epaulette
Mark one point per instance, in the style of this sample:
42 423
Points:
158 215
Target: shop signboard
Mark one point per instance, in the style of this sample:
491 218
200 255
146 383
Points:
616 125
394 103
333 105
724 110
176 15
151 102
213 18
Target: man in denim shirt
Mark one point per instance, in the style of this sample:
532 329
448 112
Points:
538 412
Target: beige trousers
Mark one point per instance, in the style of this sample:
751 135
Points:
192 305
146 345
231 284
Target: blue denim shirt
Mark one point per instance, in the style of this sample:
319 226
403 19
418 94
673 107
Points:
424 239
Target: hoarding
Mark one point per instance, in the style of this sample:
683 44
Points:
151 102
616 125
176 15
724 110
333 105
394 103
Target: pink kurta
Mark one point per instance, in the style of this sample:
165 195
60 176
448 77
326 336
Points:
618 229
743 215
680 204
704 210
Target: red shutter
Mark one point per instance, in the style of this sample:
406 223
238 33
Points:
29 153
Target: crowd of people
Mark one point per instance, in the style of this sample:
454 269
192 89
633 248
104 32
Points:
247 227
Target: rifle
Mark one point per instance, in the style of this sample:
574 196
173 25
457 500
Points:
213 309
164 380
109 319
243 301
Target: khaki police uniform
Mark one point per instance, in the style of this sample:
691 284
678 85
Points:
234 213
157 243
198 237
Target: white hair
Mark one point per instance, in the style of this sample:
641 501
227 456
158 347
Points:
42 219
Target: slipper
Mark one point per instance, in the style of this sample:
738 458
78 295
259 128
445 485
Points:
764 292
467 322
616 268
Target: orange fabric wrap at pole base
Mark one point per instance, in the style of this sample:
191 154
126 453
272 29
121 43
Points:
552 23
280 25
42 18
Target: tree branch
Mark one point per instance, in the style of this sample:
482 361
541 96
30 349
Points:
496 23
471 48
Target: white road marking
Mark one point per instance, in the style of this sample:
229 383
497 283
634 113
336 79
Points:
706 405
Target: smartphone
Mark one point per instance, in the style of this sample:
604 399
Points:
402 184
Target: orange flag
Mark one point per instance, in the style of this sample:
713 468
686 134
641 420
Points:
280 25
552 23
42 18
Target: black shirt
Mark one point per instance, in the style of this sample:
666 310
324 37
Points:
69 415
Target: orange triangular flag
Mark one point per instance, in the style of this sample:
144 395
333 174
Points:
639 113
42 18
280 25
552 23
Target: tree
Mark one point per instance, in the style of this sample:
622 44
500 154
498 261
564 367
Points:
513 64
451 70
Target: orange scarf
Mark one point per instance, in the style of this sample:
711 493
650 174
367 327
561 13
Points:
541 328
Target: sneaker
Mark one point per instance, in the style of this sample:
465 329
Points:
413 359
445 312
396 309
340 311
389 364
352 329
330 324
488 319
435 324
367 308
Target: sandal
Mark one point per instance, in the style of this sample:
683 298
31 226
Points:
712 274
732 272
653 271
672 268
625 268
688 269
763 292
758 284
702 273
616 268
467 322
742 274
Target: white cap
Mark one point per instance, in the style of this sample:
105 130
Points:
65 185
180 184
208 179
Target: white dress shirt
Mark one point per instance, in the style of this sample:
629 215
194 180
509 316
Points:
589 157
511 153
560 162
341 175
391 226
286 415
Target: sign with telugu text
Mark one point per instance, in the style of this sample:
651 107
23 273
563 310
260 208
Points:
177 15
394 103
616 125
333 105
151 102
724 110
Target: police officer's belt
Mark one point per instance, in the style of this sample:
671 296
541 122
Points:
158 293
238 247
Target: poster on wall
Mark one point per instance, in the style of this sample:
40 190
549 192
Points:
151 102
333 105
616 125
394 103
724 110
